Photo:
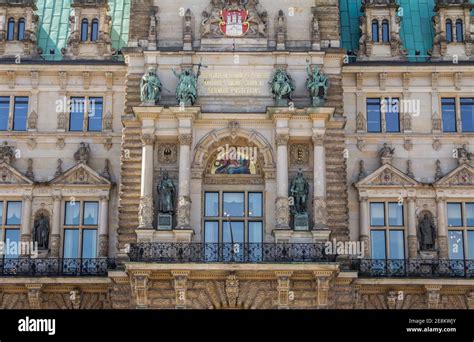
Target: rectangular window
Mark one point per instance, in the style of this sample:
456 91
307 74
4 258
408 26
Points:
377 214
454 215
71 217
397 245
13 213
94 123
12 239
255 232
470 244
456 245
470 214
233 232
395 215
467 114
448 107
234 204
89 243
255 204
378 249
71 243
76 118
20 113
4 112
211 205
91 213
392 115
374 116
211 232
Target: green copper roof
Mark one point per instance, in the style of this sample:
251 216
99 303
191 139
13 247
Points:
416 31
54 25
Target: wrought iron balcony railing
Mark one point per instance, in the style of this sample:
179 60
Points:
55 267
414 268
228 252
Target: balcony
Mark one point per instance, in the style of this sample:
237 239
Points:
54 267
414 268
229 253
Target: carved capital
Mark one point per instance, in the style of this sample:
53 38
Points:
282 139
232 289
433 296
318 139
148 139
185 139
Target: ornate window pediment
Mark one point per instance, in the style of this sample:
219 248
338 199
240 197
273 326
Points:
10 175
387 175
18 27
89 30
463 175
81 174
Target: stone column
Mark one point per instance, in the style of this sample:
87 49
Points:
442 229
26 219
184 199
364 224
412 239
319 190
282 205
56 226
145 211
104 227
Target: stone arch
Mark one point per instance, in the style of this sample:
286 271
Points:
207 146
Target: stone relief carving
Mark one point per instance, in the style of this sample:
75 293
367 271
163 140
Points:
408 144
59 168
439 172
232 289
361 124
410 169
362 172
386 154
184 212
7 153
280 30
299 154
145 212
252 19
82 155
29 171
167 153
463 155
315 33
32 120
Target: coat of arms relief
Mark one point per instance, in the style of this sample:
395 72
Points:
234 18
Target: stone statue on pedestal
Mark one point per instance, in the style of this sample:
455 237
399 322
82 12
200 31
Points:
166 201
426 233
299 190
187 88
282 86
150 87
317 84
41 231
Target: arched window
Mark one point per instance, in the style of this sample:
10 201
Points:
11 29
21 29
94 30
459 31
449 31
385 31
84 29
375 31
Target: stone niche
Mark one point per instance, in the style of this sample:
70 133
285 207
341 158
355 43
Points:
18 26
89 31
380 31
454 30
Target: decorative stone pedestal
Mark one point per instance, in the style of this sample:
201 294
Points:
281 102
165 221
301 222
293 236
428 255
